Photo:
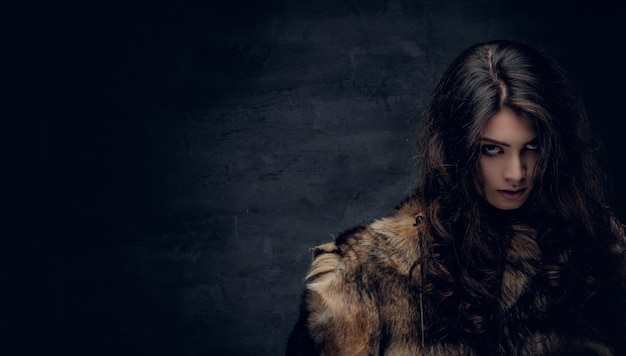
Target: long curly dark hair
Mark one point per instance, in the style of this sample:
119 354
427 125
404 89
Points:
566 209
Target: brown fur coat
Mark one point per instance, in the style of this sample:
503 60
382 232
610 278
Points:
361 299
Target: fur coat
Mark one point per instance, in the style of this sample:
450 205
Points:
360 299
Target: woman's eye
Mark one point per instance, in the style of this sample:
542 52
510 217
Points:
532 146
491 150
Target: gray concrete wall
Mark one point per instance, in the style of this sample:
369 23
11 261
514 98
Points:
167 165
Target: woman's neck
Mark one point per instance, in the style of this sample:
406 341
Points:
502 217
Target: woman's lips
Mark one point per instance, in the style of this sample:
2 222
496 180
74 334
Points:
512 194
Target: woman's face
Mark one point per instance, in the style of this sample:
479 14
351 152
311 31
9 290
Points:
508 154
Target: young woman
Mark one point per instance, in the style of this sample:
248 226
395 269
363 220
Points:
507 246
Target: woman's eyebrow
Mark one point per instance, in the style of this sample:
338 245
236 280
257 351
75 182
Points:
490 140
495 141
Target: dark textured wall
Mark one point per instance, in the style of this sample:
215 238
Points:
167 165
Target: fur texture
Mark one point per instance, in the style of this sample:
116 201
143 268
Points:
363 297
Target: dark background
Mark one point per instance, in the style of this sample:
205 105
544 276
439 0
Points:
167 165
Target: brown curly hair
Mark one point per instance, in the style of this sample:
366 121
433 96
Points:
566 209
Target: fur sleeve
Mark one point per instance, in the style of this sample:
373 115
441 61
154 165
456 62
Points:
335 317
345 303
341 316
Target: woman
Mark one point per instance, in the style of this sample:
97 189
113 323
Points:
507 246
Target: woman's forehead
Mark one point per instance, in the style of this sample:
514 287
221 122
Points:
508 127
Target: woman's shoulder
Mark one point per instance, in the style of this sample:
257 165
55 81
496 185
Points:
348 278
391 242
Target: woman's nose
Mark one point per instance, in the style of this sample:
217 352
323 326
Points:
515 169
